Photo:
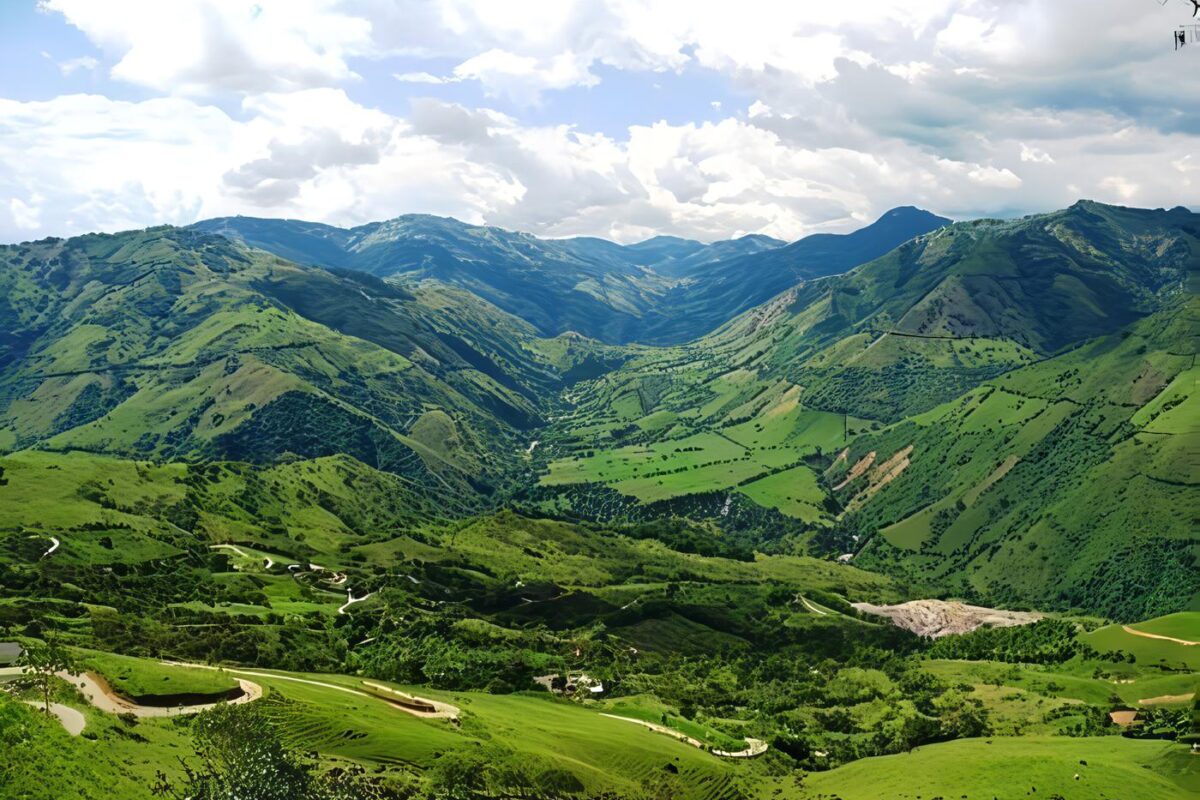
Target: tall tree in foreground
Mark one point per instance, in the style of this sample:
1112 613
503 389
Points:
41 662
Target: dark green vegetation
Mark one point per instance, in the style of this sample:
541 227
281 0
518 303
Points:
380 468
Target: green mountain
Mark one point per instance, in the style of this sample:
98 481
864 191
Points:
912 342
662 290
714 290
174 344
455 556
589 286
1068 483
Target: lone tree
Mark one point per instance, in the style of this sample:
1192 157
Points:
41 662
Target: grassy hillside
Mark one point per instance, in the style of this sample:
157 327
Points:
1052 485
169 343
314 477
1011 768
919 404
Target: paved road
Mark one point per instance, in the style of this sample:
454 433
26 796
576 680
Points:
443 710
754 747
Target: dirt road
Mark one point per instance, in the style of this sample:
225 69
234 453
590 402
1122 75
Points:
72 719
444 710
1135 632
99 694
755 747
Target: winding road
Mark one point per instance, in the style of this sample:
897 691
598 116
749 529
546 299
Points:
812 607
54 543
755 747
443 710
100 695
97 692
351 599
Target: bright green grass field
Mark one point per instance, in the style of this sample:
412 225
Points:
139 677
1183 625
604 753
795 492
1147 651
1011 768
111 760
1072 681
649 709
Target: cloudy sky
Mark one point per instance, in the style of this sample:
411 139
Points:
616 118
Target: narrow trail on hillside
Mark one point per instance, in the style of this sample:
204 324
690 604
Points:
54 543
812 607
351 600
1136 632
97 692
232 547
755 747
1166 699
72 719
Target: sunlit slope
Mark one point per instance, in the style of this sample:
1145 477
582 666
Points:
1068 483
925 324
170 343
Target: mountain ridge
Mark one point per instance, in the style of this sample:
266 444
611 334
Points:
651 291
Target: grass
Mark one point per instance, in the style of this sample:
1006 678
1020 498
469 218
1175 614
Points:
795 492
1146 651
649 709
1185 625
1074 680
139 677
1010 768
112 759
605 754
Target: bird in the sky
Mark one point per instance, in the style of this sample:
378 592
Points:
1195 7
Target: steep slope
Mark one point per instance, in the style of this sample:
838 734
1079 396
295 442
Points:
172 343
964 303
1070 483
687 258
586 285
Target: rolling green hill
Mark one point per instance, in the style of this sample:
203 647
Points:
990 465
397 454
169 343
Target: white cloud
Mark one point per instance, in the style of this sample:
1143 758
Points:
1035 155
82 63
203 46
524 78
25 216
421 77
956 105
1119 188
